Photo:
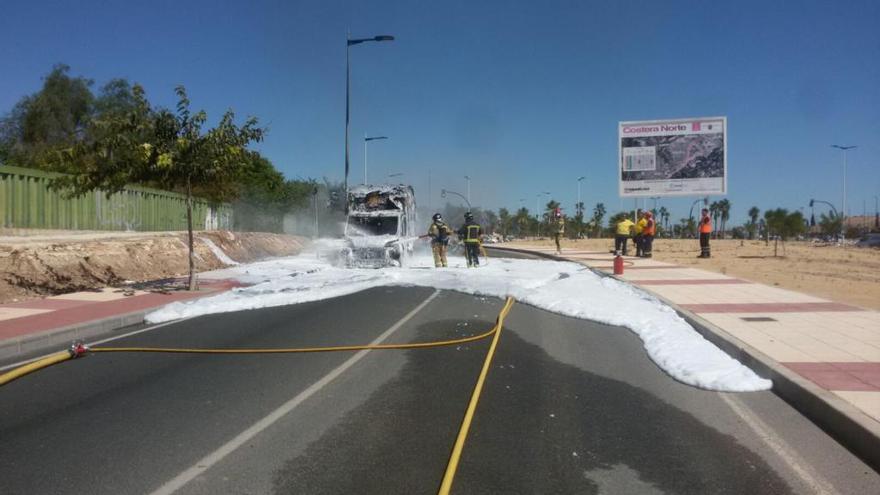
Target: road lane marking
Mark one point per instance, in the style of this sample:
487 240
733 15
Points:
797 464
229 447
99 342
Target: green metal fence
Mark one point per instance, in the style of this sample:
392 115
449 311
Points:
26 201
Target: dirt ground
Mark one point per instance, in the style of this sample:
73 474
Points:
50 263
843 274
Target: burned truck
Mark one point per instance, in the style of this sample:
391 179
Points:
380 226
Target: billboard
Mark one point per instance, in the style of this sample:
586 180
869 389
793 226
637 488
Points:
682 157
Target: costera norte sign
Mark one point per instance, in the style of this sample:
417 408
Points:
682 157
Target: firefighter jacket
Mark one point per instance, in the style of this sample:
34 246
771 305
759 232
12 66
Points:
439 233
470 232
625 226
560 225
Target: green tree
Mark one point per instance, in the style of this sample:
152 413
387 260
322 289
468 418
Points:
54 118
615 219
523 221
784 224
505 220
169 149
830 224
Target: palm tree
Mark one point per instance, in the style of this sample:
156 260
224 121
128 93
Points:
724 207
714 211
664 217
753 221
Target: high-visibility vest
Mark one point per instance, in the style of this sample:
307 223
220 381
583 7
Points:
624 226
705 226
640 225
649 227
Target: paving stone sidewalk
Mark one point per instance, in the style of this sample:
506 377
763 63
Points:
836 346
37 324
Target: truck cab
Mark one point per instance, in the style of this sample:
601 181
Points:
380 226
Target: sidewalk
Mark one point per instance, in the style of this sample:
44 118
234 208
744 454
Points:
833 347
53 323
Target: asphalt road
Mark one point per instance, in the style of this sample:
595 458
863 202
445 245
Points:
569 406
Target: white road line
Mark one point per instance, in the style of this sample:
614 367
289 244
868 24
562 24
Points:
797 464
229 447
98 342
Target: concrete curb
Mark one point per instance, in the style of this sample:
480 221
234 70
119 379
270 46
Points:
60 338
847 424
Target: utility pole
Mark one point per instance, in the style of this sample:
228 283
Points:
843 210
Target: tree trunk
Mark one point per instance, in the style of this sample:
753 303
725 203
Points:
193 282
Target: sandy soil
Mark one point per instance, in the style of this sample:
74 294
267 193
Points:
848 275
51 263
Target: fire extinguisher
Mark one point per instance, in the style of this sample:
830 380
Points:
618 265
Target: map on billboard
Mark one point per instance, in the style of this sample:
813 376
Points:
682 157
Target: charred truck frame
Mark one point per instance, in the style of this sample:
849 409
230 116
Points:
380 226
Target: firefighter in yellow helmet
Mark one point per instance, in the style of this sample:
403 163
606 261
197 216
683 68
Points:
439 233
471 235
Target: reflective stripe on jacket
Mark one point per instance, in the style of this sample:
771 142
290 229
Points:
470 232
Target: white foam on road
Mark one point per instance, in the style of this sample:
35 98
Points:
561 287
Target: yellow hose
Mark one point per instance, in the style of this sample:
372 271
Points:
455 457
58 357
64 356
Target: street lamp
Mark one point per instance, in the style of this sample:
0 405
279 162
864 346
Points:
468 179
348 45
843 209
444 192
367 140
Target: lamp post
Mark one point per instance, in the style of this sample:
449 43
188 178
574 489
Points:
444 192
468 179
367 140
843 209
348 44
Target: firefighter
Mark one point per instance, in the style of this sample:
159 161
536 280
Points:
624 229
639 227
470 234
705 230
648 234
439 233
559 229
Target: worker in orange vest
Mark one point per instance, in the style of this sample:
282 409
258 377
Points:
705 230
648 234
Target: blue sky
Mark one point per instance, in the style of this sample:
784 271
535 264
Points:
523 97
